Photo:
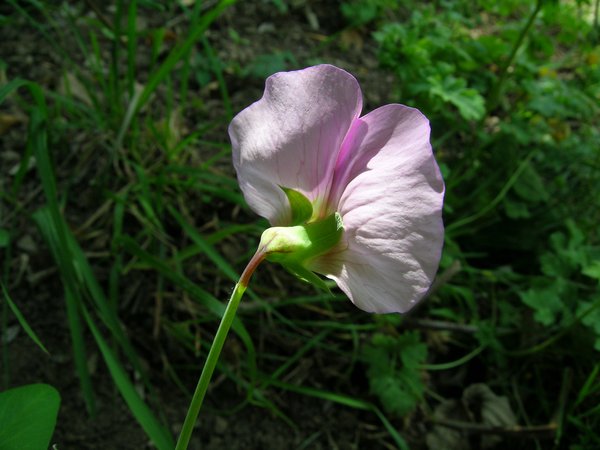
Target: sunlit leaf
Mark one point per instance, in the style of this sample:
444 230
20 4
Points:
28 417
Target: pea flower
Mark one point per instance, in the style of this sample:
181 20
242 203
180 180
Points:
356 199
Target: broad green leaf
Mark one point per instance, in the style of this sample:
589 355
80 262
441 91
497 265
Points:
546 301
469 102
28 417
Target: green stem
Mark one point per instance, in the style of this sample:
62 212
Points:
495 202
497 90
452 364
215 350
541 346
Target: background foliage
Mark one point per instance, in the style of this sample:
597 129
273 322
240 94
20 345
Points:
120 212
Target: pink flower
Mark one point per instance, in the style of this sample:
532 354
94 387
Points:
377 171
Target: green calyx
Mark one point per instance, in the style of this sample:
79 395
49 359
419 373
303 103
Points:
300 243
294 246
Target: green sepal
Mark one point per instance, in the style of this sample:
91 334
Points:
324 234
297 244
307 276
293 247
300 206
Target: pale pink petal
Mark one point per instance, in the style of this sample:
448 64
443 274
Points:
391 204
291 137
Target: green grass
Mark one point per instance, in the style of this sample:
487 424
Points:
135 201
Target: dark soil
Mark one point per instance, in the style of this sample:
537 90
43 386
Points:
302 34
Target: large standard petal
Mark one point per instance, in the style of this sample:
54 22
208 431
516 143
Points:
391 204
291 137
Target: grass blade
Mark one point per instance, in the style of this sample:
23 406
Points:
11 86
203 245
157 433
22 320
202 296
167 66
212 304
49 221
131 45
49 233
346 401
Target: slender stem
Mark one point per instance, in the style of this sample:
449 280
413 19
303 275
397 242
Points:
215 350
552 339
495 202
497 90
516 431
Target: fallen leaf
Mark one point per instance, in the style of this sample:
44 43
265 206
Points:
478 405
444 437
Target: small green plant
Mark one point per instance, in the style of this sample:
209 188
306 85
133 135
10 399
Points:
28 417
394 371
427 54
119 170
567 289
